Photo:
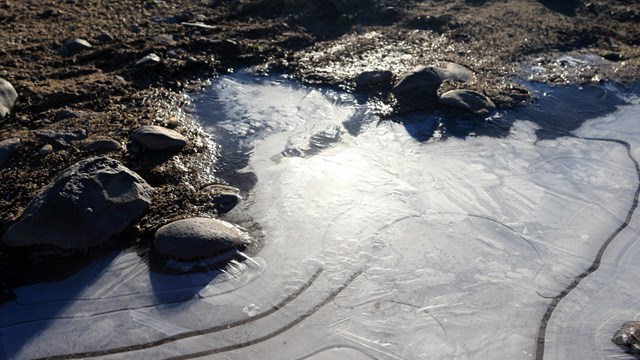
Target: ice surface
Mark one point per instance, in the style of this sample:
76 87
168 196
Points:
377 245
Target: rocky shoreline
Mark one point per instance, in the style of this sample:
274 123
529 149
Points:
108 79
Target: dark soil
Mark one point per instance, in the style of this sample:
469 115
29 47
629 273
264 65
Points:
325 43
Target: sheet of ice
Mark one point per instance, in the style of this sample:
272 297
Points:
377 245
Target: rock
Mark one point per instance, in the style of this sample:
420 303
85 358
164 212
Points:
456 72
197 238
6 149
628 337
84 206
56 99
172 54
224 197
65 113
105 37
74 46
61 137
164 39
369 79
419 86
45 150
150 59
8 96
468 100
101 146
158 138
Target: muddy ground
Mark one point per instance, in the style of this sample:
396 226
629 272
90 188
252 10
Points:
325 43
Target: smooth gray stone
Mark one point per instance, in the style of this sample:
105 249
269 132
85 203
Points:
8 96
101 145
150 59
153 137
74 46
224 197
45 150
197 238
7 147
468 100
84 206
420 84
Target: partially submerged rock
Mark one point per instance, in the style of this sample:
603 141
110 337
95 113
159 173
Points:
628 337
419 85
377 78
8 96
224 197
198 238
84 206
468 100
6 149
158 138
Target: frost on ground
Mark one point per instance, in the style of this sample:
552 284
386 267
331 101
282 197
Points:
377 245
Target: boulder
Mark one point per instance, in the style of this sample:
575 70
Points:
468 100
158 138
198 238
420 84
6 149
628 337
8 96
84 206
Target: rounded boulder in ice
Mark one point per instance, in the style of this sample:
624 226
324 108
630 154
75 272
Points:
197 238
468 100
84 206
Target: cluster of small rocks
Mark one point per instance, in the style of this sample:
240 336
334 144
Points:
93 201
628 337
418 89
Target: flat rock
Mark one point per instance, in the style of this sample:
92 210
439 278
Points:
376 78
628 337
84 206
468 100
420 84
101 146
150 59
7 147
197 238
61 138
8 96
158 138
224 197
65 113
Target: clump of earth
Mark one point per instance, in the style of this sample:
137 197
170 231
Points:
86 79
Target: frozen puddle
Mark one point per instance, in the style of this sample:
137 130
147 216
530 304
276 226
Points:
377 245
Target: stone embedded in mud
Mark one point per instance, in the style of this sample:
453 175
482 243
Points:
456 72
6 149
65 113
468 100
101 145
105 37
628 337
369 79
224 197
84 206
61 138
74 46
8 96
150 59
419 87
45 150
158 138
197 238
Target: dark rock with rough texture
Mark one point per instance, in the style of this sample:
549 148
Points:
158 138
6 148
198 238
74 46
150 59
370 79
628 337
419 88
65 113
61 138
105 37
224 197
8 96
101 146
468 100
84 206
56 99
